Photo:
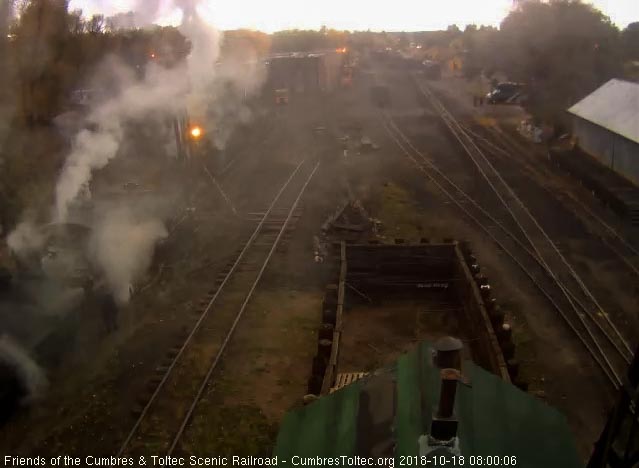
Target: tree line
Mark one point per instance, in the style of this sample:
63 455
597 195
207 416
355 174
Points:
49 51
562 49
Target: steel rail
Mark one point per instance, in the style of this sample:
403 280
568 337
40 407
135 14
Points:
204 314
570 296
611 230
451 122
229 334
608 370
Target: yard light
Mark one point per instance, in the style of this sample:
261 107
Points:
196 132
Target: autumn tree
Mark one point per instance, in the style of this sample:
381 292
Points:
5 17
630 41
7 97
563 49
245 43
96 24
298 40
41 36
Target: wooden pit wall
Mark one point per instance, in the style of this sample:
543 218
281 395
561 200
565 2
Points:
485 347
400 267
331 368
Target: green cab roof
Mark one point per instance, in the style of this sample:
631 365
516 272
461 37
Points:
386 413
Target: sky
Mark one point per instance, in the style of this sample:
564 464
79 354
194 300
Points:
377 15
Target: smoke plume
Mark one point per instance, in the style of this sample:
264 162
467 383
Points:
160 93
122 245
145 12
25 239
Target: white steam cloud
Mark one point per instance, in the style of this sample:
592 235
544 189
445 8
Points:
123 236
214 93
122 246
25 239
162 92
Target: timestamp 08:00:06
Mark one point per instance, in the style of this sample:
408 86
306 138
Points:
458 460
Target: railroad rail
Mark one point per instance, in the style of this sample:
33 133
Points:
555 263
520 236
166 415
505 146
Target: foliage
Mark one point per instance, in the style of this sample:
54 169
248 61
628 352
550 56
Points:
630 41
562 49
40 37
55 50
49 53
246 43
437 38
297 40
480 46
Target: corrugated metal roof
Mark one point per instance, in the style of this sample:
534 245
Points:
614 106
393 408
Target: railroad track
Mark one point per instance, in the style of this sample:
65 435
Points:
502 145
515 230
161 423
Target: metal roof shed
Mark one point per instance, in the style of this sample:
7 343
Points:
385 414
606 124
613 106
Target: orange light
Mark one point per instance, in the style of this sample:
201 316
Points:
341 51
152 55
196 132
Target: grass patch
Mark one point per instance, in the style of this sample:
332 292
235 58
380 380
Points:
396 210
239 430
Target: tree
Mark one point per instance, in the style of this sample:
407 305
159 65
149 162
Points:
630 41
6 10
40 39
245 43
563 49
297 40
96 24
121 21
5 65
77 25
480 45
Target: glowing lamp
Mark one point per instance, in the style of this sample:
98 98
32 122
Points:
196 132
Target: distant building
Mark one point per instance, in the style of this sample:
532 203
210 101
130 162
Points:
606 125
304 73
